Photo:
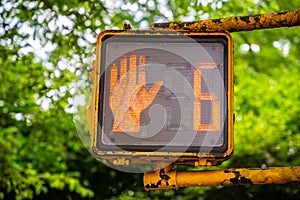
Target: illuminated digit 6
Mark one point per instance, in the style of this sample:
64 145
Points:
199 96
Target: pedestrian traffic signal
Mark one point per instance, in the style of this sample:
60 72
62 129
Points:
162 97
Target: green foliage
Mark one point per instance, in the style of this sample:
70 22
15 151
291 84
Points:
267 99
41 156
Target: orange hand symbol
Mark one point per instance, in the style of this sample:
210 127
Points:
128 96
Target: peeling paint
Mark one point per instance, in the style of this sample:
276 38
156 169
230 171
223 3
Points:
164 176
245 19
240 180
153 186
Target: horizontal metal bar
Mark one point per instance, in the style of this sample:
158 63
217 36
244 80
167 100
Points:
164 179
239 23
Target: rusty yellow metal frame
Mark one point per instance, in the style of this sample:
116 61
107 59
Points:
172 179
168 178
155 158
239 23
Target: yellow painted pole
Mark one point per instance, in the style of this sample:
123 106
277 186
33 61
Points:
173 179
239 23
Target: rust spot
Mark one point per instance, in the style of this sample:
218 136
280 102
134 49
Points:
163 175
203 28
240 180
216 20
256 18
245 19
152 185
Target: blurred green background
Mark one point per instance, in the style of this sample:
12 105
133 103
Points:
46 45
